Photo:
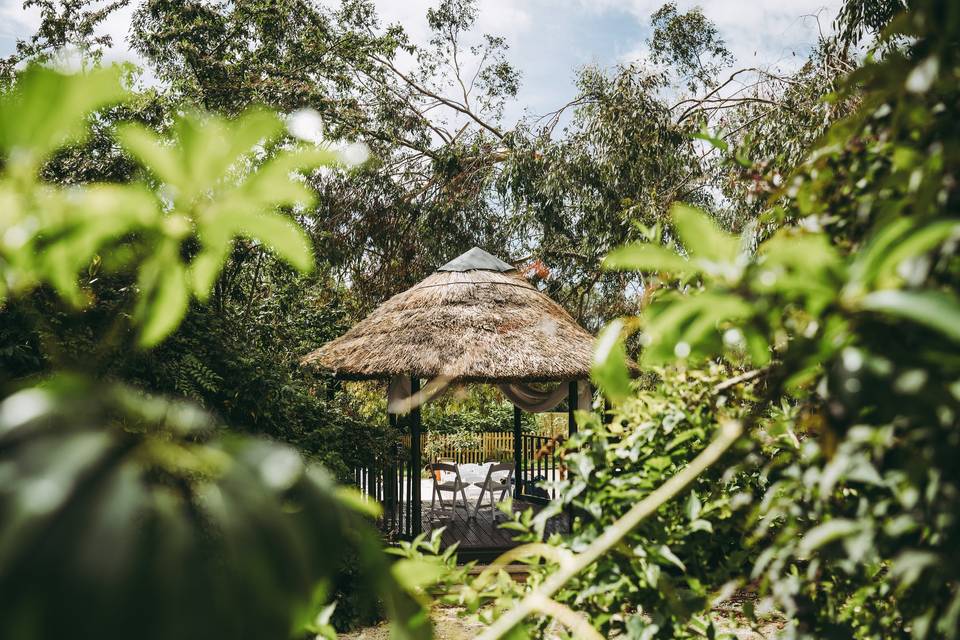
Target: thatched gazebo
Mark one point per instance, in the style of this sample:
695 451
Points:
475 320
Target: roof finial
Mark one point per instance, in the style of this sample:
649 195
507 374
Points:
476 259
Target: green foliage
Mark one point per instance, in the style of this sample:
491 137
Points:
607 180
830 262
126 511
689 42
210 188
423 199
855 309
65 26
845 294
460 440
123 511
662 577
673 565
426 567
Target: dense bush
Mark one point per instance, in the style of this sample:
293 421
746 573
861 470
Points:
664 574
853 306
662 578
122 511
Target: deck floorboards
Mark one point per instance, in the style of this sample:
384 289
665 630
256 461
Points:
482 532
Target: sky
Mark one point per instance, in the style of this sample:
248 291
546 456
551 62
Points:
549 39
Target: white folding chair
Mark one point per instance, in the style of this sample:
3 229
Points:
491 485
440 485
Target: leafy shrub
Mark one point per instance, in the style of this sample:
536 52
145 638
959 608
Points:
858 531
122 513
661 578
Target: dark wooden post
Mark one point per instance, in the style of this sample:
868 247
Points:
517 453
391 490
415 460
571 407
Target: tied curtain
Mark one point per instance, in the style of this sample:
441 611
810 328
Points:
525 396
533 400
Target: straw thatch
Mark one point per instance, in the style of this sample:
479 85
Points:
466 324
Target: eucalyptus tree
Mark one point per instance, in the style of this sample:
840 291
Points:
430 115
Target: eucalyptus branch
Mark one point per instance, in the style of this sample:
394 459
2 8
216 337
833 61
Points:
698 102
533 602
453 104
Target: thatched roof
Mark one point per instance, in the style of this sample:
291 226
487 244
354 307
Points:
476 319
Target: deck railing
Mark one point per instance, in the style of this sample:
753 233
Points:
540 466
389 480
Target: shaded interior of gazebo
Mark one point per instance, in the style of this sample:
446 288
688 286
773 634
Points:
475 320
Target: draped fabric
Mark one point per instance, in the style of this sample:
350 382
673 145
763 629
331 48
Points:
525 396
531 399
584 396
535 400
401 399
398 393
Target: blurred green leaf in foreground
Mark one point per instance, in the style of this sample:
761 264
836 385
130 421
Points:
123 514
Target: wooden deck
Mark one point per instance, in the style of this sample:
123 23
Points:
481 538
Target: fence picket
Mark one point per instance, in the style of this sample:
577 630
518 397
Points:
493 445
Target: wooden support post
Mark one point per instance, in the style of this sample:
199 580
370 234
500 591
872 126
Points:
517 453
571 408
416 462
390 489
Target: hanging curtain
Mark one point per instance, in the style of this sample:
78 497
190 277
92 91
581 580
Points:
401 399
535 400
584 396
398 394
525 396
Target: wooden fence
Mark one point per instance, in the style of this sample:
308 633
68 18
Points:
490 446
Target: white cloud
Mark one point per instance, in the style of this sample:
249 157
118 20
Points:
15 21
508 18
549 38
19 23
767 33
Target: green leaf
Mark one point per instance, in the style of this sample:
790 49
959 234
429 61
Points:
702 237
701 525
281 234
150 150
415 574
47 109
205 268
681 326
647 257
715 142
914 244
165 301
938 311
757 347
910 564
659 463
352 497
253 127
864 268
694 506
609 371
826 533
665 552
